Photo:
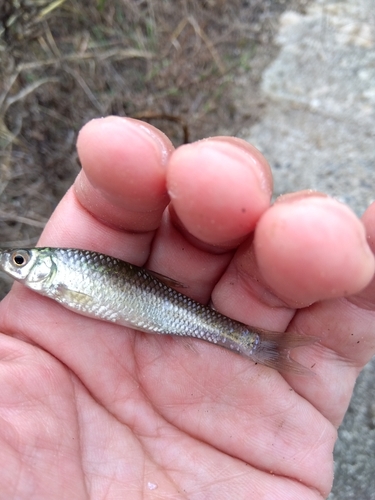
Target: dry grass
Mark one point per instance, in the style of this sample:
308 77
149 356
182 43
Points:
171 62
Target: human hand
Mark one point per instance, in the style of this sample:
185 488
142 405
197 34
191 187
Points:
93 410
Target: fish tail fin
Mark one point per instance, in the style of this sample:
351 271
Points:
273 350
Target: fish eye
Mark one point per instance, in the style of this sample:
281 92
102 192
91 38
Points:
20 258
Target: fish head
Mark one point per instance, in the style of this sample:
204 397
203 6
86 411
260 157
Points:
31 266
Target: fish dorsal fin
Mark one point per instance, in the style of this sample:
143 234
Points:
166 280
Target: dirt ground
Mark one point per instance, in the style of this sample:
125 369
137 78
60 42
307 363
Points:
182 65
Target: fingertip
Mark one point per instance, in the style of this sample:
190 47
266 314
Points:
219 188
368 220
118 152
124 163
311 249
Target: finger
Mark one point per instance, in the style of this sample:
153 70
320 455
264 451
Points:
196 268
366 298
354 340
320 248
120 195
346 327
219 188
306 249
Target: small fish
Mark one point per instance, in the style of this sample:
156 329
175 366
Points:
103 287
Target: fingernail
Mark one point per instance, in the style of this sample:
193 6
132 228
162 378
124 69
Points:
159 140
244 153
300 195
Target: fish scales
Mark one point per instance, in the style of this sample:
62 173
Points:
126 294
109 289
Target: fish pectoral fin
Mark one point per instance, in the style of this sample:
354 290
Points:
72 296
166 280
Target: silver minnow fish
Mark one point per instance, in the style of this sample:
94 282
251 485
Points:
103 287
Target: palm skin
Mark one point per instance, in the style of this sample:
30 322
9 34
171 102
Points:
93 410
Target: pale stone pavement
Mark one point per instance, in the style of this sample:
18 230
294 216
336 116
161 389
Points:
318 131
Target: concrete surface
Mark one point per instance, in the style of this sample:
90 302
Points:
318 132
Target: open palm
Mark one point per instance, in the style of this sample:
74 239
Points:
93 410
